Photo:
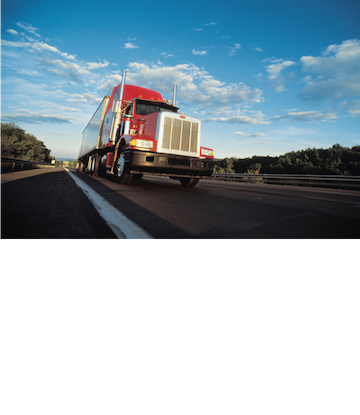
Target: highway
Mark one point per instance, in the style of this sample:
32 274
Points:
48 204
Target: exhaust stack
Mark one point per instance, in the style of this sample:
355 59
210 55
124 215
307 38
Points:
117 104
122 87
174 96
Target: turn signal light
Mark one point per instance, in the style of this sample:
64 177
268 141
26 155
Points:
135 142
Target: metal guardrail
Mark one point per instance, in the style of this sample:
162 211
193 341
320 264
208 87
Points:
9 164
311 180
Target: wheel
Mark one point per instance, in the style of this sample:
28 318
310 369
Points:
102 170
187 182
80 166
119 167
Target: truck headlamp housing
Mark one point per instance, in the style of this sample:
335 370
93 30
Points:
206 152
135 142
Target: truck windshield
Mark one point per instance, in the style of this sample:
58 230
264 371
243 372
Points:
144 108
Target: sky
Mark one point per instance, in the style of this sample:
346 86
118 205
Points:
264 77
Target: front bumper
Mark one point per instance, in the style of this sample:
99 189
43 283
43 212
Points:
148 162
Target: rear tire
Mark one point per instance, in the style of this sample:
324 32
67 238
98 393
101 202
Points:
120 167
102 170
187 182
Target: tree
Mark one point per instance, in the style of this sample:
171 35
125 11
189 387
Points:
18 144
225 166
334 160
254 168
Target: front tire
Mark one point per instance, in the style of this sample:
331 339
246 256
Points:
187 182
120 168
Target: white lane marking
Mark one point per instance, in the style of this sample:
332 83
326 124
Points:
123 227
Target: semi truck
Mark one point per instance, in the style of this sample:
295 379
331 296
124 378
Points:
134 131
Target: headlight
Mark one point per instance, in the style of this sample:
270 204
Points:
135 142
206 152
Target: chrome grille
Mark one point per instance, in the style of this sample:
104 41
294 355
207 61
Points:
180 135
176 135
194 135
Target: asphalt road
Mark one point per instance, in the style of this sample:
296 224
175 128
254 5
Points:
48 204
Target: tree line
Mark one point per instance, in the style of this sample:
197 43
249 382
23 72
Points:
68 163
16 143
334 160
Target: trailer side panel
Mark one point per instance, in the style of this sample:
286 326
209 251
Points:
90 140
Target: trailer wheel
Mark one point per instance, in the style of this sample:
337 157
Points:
102 170
119 168
187 182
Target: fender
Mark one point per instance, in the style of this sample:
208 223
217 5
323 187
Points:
117 146
126 138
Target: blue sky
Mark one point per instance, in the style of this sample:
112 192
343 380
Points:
265 77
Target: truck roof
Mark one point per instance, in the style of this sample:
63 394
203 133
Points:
133 91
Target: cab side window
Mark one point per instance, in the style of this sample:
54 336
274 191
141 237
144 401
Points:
129 110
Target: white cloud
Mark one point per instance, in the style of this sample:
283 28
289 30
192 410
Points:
234 49
335 74
199 29
87 96
296 131
28 72
166 55
352 106
12 31
29 28
96 65
256 118
336 59
41 46
275 73
32 117
195 86
246 135
76 100
199 52
49 104
259 49
130 46
305 116
107 84
19 44
65 69
184 75
35 46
